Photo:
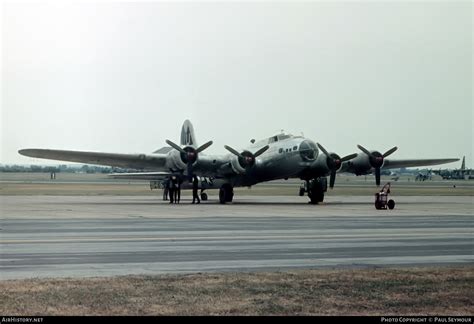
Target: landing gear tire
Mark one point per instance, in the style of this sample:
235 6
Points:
391 204
301 193
315 197
316 189
203 196
226 193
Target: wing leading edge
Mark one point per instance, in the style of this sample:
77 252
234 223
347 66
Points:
395 164
131 161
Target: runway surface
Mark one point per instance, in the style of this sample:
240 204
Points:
78 236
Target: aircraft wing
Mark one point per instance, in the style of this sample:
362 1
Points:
131 161
141 175
395 164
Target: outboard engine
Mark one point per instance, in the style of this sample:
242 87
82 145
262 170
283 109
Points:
180 159
186 157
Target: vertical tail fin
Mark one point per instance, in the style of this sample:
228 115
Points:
187 134
463 164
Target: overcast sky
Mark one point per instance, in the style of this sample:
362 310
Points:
122 77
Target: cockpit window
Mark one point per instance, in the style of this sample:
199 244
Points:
279 137
283 136
273 139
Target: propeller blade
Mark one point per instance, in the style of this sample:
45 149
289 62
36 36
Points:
231 150
323 149
363 149
348 157
393 149
204 146
190 172
261 151
332 179
175 146
377 176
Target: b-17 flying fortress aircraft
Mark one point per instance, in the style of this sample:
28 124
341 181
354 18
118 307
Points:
281 156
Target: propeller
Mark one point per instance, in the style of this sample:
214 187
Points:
334 162
247 158
189 155
376 160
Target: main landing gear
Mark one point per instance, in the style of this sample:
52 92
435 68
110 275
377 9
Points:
226 193
315 188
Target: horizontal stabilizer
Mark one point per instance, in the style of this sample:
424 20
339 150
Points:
163 150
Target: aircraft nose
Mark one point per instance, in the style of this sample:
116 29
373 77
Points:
308 150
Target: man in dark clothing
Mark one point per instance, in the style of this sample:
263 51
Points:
171 189
178 190
195 190
166 189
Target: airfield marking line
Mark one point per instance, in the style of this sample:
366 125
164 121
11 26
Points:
224 238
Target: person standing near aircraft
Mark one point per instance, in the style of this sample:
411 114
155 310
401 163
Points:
195 190
176 189
171 190
166 189
179 181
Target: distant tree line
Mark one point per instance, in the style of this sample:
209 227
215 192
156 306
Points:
60 168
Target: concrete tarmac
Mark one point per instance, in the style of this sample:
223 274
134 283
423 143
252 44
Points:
82 236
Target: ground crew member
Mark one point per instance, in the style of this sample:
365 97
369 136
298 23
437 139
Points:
166 189
178 190
195 190
171 189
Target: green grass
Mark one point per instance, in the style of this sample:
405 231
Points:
407 291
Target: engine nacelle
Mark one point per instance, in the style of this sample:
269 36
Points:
362 163
325 164
241 165
175 161
320 166
236 167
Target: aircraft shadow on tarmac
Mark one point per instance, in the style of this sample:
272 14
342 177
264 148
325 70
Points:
213 203
260 201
